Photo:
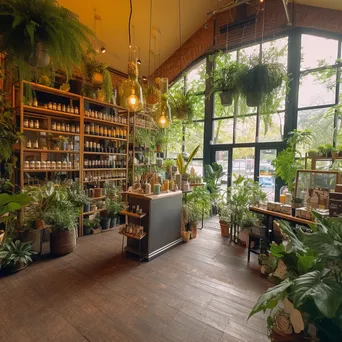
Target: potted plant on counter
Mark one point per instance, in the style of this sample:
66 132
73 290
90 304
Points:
306 304
182 165
15 256
228 82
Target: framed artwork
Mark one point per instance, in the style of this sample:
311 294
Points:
313 187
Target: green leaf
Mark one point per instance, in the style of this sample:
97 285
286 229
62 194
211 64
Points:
277 250
295 245
323 290
271 297
305 263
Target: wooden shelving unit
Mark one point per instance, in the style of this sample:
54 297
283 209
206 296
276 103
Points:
44 135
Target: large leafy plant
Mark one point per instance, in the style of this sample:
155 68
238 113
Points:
314 277
15 252
182 165
29 29
213 175
290 160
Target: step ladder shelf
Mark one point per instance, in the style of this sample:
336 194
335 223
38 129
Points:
130 214
133 236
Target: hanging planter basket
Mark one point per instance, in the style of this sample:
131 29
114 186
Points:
253 99
97 78
226 98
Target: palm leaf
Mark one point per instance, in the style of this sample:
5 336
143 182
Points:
191 157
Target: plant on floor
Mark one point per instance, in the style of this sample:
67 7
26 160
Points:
225 215
182 165
228 82
287 162
213 175
41 33
114 208
90 224
183 105
15 255
308 302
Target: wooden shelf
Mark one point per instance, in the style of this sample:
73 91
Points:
103 137
50 170
38 130
130 214
104 104
96 198
49 151
105 180
106 153
94 212
105 169
53 91
134 236
42 110
111 123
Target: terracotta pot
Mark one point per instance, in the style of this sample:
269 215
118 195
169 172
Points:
185 235
33 236
62 242
97 78
100 96
226 98
194 230
39 224
224 229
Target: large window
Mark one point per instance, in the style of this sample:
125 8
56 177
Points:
248 137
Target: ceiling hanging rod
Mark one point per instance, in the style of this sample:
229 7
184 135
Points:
286 8
232 4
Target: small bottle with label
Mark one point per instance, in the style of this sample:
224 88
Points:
68 109
58 126
72 110
36 144
86 148
36 124
97 129
90 146
50 105
53 125
28 144
76 110
77 129
101 131
63 108
59 107
105 131
31 124
63 127
35 102
26 122
73 129
54 106
67 128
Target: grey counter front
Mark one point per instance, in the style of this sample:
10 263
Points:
162 223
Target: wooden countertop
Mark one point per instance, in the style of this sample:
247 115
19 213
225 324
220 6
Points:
152 197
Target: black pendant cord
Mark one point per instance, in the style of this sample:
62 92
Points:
129 22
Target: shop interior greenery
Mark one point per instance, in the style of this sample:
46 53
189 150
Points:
90 224
183 165
308 300
290 160
114 207
183 105
41 33
213 175
228 81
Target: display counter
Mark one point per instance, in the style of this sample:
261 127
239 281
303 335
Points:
162 223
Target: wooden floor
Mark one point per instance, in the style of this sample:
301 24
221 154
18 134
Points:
199 291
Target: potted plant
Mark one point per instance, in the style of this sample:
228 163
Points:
313 153
159 139
183 105
15 256
90 224
105 220
339 150
325 150
185 232
227 81
306 304
114 207
36 32
168 163
182 165
225 215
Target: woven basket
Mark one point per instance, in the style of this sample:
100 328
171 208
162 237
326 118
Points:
62 242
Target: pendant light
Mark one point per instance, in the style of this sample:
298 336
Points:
130 90
163 115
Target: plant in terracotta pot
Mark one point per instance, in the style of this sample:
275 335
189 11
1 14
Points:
225 215
186 231
15 256
183 105
307 303
90 224
36 32
228 82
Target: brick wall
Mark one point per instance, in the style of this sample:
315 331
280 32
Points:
269 23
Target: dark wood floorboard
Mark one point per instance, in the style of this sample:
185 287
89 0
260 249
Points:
200 291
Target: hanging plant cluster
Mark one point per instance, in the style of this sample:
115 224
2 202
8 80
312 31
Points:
37 34
183 105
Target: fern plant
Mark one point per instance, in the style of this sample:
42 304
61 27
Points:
183 105
182 165
29 29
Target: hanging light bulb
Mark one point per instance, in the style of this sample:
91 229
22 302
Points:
163 114
130 90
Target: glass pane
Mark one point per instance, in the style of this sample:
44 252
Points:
176 86
194 135
316 89
243 162
222 111
196 77
199 108
198 166
222 60
275 51
250 55
275 130
221 157
266 173
318 51
223 131
245 129
174 144
321 124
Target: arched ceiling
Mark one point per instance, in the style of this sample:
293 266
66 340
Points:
165 17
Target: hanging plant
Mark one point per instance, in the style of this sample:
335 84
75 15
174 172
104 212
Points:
39 32
228 81
183 105
152 95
